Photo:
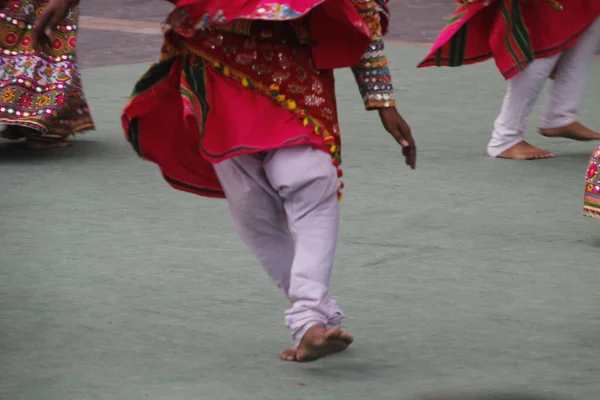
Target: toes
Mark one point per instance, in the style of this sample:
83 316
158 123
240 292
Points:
288 355
347 338
334 333
544 154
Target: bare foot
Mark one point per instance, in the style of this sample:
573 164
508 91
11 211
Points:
318 342
347 338
289 354
574 131
525 151
43 145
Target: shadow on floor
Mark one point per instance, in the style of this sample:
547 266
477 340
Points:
15 152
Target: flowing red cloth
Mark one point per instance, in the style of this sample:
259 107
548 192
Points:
513 32
218 95
172 139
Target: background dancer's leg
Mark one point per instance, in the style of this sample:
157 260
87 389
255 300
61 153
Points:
560 116
509 128
12 132
33 140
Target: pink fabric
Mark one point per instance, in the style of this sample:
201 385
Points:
244 121
240 122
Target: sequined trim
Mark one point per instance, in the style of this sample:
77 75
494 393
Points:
372 73
591 205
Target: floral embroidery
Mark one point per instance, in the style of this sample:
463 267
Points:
43 101
274 11
372 73
8 95
591 205
592 170
25 100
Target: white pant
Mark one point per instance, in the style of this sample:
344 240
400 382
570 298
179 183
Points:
565 96
284 206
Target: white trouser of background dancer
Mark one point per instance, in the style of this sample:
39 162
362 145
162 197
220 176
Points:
285 208
570 67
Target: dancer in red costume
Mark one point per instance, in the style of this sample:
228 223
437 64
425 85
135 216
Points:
242 106
529 40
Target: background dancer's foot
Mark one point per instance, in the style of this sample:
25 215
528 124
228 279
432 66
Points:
525 151
575 131
32 144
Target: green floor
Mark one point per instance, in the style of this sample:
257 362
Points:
467 273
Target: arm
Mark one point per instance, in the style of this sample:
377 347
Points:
372 73
375 80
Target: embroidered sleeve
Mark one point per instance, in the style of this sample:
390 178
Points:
372 72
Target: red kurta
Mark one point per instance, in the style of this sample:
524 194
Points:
224 90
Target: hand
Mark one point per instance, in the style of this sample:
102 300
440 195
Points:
397 126
54 12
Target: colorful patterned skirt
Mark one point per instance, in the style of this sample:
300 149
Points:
591 206
512 32
218 94
40 92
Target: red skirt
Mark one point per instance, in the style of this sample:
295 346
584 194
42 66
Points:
513 32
